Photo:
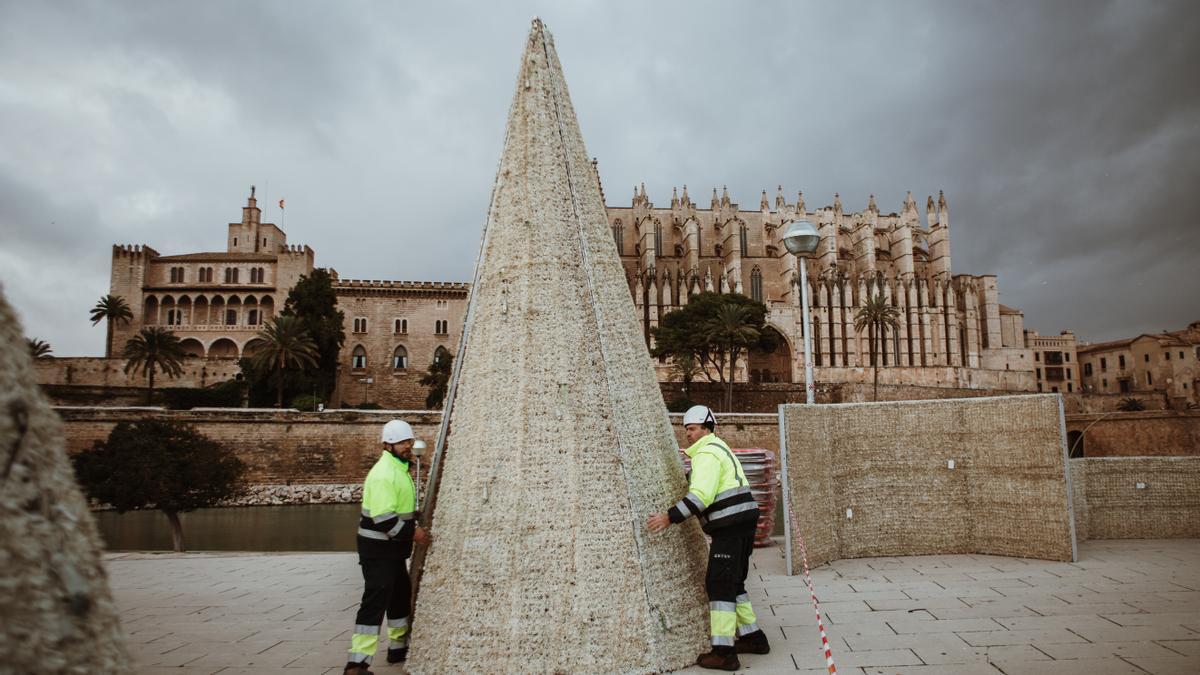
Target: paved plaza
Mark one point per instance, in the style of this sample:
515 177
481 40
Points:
1129 606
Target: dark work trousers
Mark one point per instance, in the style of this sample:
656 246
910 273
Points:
725 581
387 589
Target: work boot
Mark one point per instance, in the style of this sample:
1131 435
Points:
753 643
720 658
357 669
397 655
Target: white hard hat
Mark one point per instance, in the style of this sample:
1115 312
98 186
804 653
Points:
699 414
396 431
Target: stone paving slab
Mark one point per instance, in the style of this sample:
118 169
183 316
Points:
1128 606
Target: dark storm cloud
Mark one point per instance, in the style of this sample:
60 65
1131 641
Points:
1064 134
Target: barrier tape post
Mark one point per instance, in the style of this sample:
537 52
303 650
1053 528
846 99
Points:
813 593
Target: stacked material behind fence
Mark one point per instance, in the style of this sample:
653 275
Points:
1109 504
876 479
759 466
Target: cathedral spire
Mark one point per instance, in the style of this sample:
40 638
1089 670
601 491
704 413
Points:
674 198
909 203
763 203
800 204
871 206
780 202
685 200
716 203
837 203
725 196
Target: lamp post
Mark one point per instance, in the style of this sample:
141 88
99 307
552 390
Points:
801 239
418 449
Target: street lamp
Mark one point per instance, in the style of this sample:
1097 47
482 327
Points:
801 239
418 449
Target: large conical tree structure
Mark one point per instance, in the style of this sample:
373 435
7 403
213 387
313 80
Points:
56 612
560 445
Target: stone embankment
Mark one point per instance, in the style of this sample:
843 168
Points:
280 495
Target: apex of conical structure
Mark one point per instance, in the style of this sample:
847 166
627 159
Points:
560 445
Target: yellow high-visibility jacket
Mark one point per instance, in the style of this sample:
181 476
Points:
388 509
718 493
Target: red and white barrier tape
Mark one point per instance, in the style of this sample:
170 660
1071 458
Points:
812 592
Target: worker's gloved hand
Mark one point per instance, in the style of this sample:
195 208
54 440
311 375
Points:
658 522
422 536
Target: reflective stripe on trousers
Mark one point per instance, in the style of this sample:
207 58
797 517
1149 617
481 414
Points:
747 621
722 619
363 643
397 633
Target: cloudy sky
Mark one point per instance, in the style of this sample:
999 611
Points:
1066 135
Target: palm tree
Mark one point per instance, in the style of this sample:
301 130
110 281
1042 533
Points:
878 317
285 343
1131 404
154 349
114 309
732 330
39 349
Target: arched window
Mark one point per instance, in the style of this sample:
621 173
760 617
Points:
440 355
253 318
658 249
744 239
756 291
400 358
440 327
231 275
618 231
358 359
231 317
360 325
401 326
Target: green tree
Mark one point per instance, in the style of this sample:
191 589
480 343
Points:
312 300
685 368
715 330
285 343
151 350
112 309
437 378
159 464
1131 404
878 317
39 349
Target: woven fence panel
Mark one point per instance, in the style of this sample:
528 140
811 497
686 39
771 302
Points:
985 475
1166 506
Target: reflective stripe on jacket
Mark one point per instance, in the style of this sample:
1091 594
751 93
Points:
718 492
388 503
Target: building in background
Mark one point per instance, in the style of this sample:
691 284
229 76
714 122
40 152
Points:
1055 361
1151 364
217 302
953 330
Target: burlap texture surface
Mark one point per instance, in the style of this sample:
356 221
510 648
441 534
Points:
1166 506
560 445
56 611
888 465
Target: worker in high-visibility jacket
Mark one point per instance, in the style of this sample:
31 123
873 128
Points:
719 495
386 532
